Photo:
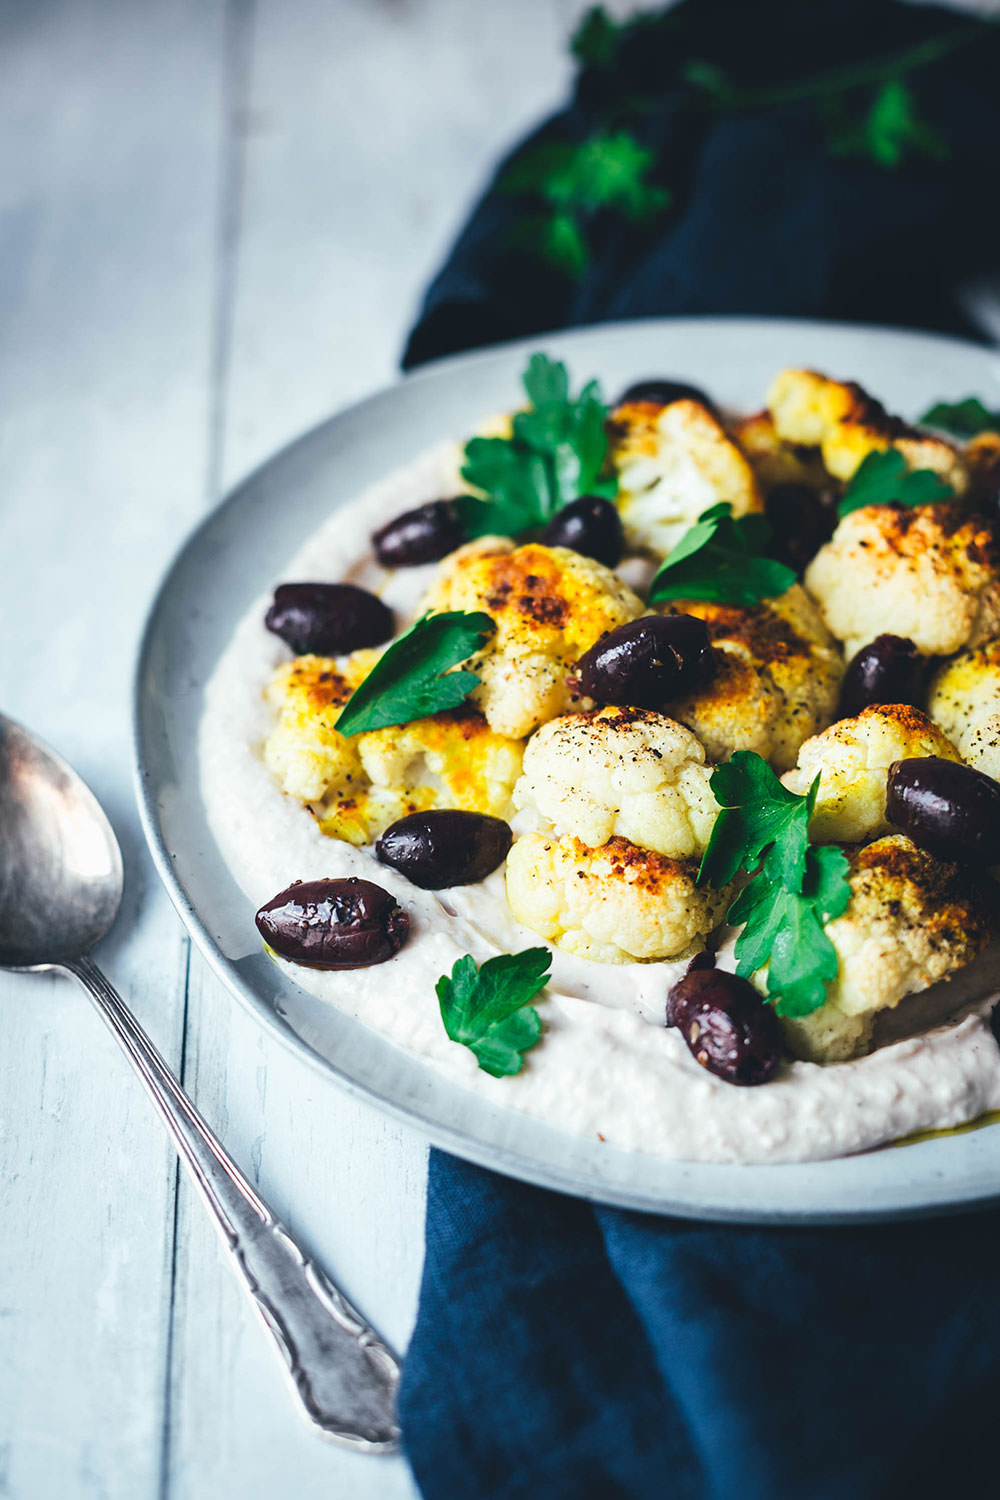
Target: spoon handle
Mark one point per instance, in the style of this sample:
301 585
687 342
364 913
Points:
343 1373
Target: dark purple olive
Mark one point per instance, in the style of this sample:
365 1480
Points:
647 662
949 809
729 1028
665 391
802 520
334 924
590 526
889 669
448 847
328 618
419 536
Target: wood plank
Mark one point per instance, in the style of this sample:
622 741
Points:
109 124
367 128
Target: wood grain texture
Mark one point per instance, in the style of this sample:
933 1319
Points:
216 217
107 191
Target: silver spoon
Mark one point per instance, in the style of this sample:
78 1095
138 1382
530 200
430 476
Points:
60 889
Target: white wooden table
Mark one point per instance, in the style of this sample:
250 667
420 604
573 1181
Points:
215 219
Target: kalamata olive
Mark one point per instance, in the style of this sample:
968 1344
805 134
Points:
727 1026
446 847
665 391
328 618
889 669
802 520
949 809
334 924
646 663
590 526
419 536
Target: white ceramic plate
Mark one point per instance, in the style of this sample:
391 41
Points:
235 556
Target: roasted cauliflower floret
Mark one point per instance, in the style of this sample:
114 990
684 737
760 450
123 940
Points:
852 759
846 425
357 786
925 571
550 606
304 751
965 701
620 771
452 759
614 904
776 682
982 457
911 921
773 460
673 462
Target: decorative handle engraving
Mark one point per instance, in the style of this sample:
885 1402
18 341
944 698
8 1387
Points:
343 1373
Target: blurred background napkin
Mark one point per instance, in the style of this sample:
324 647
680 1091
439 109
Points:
836 160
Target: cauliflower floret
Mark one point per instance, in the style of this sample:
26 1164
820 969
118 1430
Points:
911 921
982 455
965 701
304 751
852 759
777 678
925 571
550 606
613 905
672 463
357 786
847 424
620 771
773 460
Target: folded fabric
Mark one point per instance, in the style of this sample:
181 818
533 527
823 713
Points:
567 1352
772 211
563 1350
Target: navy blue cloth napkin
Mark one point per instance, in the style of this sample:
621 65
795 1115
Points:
563 1350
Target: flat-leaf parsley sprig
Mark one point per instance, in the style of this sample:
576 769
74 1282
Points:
486 1006
556 452
796 886
883 478
415 677
721 559
964 419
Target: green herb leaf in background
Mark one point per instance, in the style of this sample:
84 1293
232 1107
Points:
556 453
889 133
964 419
486 1006
414 677
596 40
573 181
719 559
883 478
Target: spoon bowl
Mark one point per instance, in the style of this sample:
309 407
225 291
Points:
60 864
60 890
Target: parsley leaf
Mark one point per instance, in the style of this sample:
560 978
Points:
763 828
963 418
719 559
884 477
572 181
890 132
783 929
556 452
485 1006
413 678
758 814
596 40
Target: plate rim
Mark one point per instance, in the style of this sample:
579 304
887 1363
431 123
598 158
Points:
496 1155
